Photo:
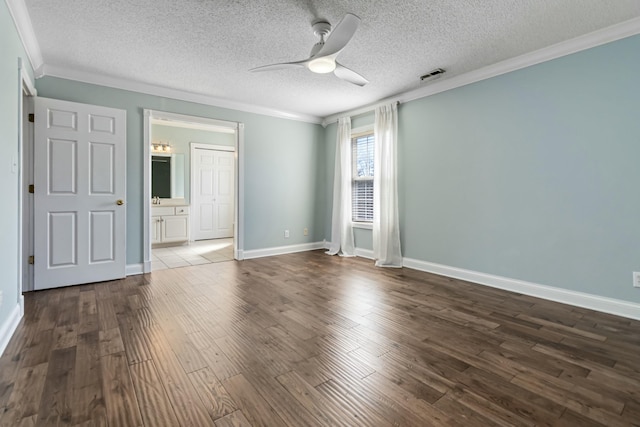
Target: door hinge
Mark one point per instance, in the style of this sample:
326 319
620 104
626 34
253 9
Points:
32 118
32 188
31 260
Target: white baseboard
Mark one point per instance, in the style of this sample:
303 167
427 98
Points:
579 299
133 269
364 253
9 327
281 250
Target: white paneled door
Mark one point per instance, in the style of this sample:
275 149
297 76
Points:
213 194
80 185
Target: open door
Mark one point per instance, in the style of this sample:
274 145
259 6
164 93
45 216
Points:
80 189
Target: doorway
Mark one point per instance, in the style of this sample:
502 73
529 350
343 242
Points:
25 179
176 210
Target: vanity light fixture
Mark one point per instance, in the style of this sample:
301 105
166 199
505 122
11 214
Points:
161 147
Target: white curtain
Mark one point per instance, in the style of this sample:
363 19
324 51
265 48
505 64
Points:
386 224
341 230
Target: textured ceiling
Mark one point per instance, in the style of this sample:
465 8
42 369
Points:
207 47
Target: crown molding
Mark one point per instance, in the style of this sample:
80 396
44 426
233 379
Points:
20 15
149 89
22 21
191 125
606 35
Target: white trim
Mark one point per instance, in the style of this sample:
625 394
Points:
134 269
22 20
238 227
9 327
364 253
167 118
362 130
189 125
26 80
575 298
25 88
149 89
359 252
362 225
281 250
18 169
587 41
146 191
361 110
204 146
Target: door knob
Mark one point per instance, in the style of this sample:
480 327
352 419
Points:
119 202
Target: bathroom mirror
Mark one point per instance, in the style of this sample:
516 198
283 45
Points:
167 176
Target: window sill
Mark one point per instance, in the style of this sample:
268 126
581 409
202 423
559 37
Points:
364 225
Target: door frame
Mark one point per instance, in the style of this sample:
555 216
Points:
193 146
24 165
238 128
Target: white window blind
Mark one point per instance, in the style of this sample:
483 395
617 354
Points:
362 178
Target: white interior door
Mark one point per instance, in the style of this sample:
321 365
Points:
213 194
80 185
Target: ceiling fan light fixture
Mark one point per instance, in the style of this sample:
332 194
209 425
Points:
322 59
322 65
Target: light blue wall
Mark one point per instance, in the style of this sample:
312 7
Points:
180 140
283 162
532 175
11 50
330 135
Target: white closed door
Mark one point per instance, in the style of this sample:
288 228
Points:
80 186
213 194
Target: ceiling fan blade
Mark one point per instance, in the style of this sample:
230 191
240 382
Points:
348 75
340 36
281 66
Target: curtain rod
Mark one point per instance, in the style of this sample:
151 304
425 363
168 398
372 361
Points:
334 117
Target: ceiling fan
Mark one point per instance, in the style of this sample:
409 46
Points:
323 54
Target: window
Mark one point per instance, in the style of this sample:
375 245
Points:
362 177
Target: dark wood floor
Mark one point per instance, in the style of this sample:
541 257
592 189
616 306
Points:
308 339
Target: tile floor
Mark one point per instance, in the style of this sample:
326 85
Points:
194 253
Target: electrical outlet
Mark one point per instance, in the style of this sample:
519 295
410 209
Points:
636 279
286 234
306 231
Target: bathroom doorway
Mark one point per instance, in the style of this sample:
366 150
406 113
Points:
175 212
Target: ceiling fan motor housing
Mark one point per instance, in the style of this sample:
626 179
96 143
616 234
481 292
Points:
321 27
